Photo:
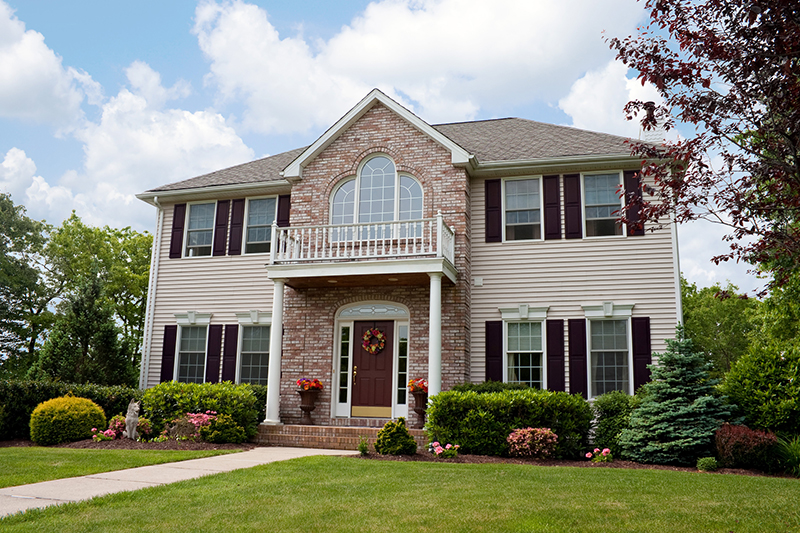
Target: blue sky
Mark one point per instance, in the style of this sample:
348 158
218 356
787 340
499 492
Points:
102 100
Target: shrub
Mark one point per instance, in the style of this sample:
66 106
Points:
612 412
363 445
707 464
489 386
117 427
480 423
764 384
19 398
65 419
223 429
600 456
532 442
394 439
448 451
789 453
171 400
679 414
742 447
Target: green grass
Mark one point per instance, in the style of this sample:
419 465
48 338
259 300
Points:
20 466
345 494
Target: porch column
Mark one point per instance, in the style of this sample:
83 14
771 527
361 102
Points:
274 370
435 336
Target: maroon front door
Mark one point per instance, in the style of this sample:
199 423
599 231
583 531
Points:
372 373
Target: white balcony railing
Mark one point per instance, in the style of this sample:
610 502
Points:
428 237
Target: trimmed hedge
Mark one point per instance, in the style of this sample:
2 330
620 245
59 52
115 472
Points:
613 413
18 399
481 423
170 400
65 420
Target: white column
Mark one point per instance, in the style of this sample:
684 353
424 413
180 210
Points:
435 336
275 341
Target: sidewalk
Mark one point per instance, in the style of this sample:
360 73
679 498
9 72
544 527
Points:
47 493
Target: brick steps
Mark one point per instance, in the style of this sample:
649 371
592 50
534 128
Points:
332 437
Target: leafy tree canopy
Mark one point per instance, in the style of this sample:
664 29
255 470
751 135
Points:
731 68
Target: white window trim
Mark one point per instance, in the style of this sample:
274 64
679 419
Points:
246 225
608 311
520 314
583 205
541 207
357 192
190 318
254 317
184 249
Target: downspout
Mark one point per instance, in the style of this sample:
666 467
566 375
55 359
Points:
147 339
676 264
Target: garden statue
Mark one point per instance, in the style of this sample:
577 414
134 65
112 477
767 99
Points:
131 420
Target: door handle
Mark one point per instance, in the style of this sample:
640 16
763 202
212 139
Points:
355 371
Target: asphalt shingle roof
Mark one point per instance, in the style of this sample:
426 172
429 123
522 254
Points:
506 139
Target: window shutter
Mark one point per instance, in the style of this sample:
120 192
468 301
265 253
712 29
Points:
284 205
573 212
221 227
633 190
555 355
494 214
168 353
237 227
176 238
494 350
640 327
552 208
229 353
213 353
578 382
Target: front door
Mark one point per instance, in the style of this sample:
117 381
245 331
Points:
372 369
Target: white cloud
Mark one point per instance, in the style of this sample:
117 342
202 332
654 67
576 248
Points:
446 58
34 84
17 172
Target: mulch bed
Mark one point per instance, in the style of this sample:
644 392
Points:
127 444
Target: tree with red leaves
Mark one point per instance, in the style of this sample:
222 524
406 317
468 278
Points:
731 68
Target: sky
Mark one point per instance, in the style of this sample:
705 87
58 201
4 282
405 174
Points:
102 100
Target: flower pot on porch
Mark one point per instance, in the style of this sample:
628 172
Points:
420 403
308 401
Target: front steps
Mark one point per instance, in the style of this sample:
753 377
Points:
331 437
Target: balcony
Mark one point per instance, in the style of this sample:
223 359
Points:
409 248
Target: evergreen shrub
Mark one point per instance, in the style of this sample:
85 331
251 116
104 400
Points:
789 454
612 412
18 399
172 400
742 447
65 419
679 413
223 429
489 386
707 464
394 439
480 423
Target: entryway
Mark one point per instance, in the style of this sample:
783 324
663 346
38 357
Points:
372 369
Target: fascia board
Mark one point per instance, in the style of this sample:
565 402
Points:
215 191
553 164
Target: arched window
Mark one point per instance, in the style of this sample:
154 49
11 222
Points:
377 194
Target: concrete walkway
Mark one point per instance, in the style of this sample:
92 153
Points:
47 493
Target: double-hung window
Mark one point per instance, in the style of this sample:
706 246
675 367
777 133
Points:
192 354
260 217
523 209
602 204
609 357
524 353
200 229
254 355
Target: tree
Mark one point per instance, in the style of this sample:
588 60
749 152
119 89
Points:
679 412
731 68
719 321
84 345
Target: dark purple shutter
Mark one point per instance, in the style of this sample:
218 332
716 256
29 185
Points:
494 213
221 227
641 350
555 355
633 190
578 382
494 350
573 213
168 353
213 353
176 238
284 206
552 208
237 227
229 352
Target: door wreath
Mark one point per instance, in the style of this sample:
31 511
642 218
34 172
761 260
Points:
374 341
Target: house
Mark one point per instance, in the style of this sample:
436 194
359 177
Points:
392 249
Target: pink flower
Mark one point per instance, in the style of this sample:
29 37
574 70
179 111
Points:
435 444
597 450
94 430
588 455
438 450
606 451
448 446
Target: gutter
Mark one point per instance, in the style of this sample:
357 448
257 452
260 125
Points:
147 337
212 191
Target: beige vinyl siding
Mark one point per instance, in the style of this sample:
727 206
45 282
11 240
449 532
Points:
223 285
567 274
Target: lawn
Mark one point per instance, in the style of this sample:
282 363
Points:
347 494
20 466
